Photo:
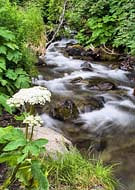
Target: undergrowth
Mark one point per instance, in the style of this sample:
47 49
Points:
72 171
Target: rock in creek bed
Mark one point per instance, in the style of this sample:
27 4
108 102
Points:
65 111
101 84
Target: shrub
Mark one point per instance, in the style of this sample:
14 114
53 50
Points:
21 37
104 22
12 74
27 25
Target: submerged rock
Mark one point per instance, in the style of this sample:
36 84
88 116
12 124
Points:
65 111
86 66
76 80
101 84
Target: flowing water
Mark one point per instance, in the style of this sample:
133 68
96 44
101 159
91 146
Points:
110 129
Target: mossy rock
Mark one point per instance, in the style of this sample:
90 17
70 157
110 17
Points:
65 111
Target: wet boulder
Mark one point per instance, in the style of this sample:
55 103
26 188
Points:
101 84
65 111
90 104
86 66
79 52
41 61
75 50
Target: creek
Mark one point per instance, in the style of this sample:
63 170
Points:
92 105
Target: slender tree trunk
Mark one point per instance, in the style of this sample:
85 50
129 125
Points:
61 19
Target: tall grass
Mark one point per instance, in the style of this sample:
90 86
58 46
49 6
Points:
73 172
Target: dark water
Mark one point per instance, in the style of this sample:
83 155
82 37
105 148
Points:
110 129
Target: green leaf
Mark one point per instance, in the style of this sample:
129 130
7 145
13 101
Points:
11 74
22 82
15 145
20 117
40 142
2 63
3 49
2 81
10 45
38 175
21 158
20 71
10 158
33 149
6 34
13 134
14 56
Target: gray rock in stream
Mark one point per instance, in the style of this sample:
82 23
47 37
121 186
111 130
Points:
86 66
101 84
66 110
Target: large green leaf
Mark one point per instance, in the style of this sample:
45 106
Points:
13 145
5 132
13 135
39 176
6 34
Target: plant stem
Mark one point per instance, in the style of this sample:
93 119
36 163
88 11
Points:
26 131
31 135
32 111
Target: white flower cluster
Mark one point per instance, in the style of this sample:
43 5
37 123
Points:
34 95
33 121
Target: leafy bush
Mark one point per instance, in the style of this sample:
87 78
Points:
12 74
101 22
27 25
21 37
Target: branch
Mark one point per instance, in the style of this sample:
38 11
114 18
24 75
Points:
108 51
61 19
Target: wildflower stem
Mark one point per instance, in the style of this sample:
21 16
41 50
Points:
32 130
26 131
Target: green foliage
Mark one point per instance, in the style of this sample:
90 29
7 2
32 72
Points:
100 22
25 22
12 74
24 155
27 25
73 171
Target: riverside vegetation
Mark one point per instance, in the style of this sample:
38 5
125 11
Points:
25 29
